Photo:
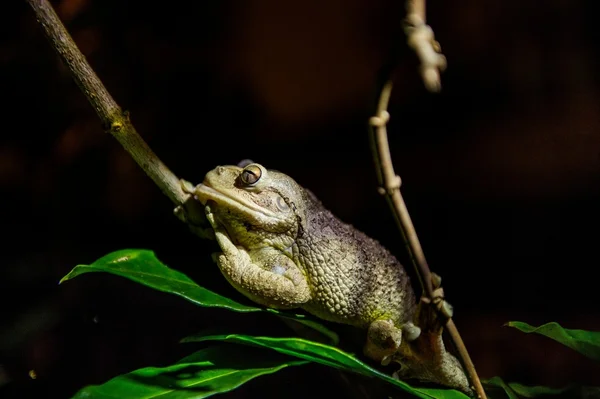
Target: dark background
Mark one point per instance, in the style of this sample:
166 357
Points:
500 171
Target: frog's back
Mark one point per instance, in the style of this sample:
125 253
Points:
354 279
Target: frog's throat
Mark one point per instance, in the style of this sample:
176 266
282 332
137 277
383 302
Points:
205 193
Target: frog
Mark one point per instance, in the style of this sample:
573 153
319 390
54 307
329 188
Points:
283 249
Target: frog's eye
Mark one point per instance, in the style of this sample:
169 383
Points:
251 174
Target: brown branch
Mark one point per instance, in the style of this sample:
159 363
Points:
420 37
114 119
390 183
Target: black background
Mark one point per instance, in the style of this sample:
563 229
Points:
500 171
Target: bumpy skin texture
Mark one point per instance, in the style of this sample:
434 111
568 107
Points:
354 280
283 249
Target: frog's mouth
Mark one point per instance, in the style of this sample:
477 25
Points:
205 193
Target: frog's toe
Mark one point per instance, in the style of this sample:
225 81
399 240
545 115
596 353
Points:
411 332
386 360
180 214
186 186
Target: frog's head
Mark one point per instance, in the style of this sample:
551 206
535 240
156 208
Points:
257 207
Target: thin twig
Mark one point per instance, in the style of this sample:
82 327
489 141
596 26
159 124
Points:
431 63
391 188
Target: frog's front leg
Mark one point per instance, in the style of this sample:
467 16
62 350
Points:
265 275
196 221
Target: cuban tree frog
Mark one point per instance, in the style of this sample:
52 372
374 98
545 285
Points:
281 248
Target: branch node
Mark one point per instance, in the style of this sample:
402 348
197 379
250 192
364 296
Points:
436 280
116 126
437 298
380 120
394 184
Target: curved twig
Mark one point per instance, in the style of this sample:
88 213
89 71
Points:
391 188
390 182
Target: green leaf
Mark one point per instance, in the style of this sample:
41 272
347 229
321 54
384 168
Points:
498 382
329 356
514 390
205 373
585 342
143 267
571 391
333 338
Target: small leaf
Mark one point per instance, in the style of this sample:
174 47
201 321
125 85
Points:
515 390
329 356
143 267
205 373
585 342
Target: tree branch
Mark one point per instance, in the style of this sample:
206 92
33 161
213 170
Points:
420 37
114 120
390 183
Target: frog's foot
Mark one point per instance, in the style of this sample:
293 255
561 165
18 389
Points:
266 276
438 297
383 340
203 232
433 312
426 359
186 186
180 214
192 213
399 373
199 230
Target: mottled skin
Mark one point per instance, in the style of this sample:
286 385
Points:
281 248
